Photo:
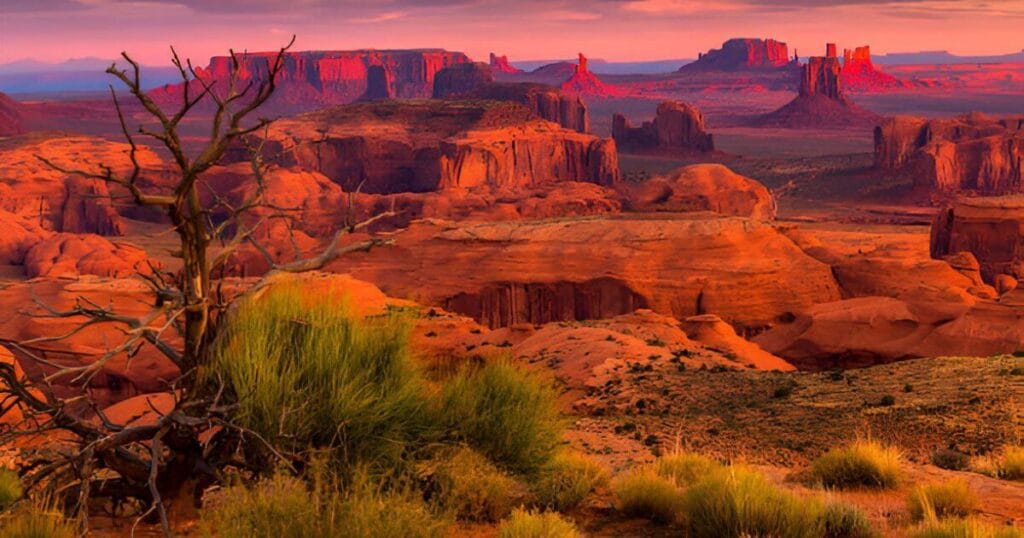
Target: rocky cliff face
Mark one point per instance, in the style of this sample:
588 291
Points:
742 54
10 118
860 75
462 80
677 126
992 229
501 65
974 153
312 79
390 147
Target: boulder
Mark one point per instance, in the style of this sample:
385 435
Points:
677 126
703 187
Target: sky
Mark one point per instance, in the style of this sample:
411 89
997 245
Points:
615 30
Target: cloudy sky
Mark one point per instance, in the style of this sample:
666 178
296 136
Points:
55 30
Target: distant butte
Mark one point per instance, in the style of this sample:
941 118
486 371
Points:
501 65
743 54
584 82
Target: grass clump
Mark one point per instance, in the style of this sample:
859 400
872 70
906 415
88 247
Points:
949 459
566 480
645 494
840 520
685 468
964 528
36 519
306 373
736 502
524 524
1012 465
469 486
505 412
861 464
947 499
10 488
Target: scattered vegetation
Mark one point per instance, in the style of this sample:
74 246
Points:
684 468
839 520
953 460
36 519
947 499
643 493
10 488
505 412
566 480
524 524
964 528
467 485
861 464
1008 466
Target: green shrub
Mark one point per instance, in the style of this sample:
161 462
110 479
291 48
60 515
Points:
961 528
1011 467
643 493
684 468
285 507
525 524
840 520
947 499
861 464
36 519
953 460
506 412
736 502
307 374
566 480
470 487
10 488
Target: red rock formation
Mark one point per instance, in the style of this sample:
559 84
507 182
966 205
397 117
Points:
742 54
677 126
703 187
425 146
860 75
461 80
992 229
10 117
973 153
17 236
313 79
584 82
501 65
56 201
71 255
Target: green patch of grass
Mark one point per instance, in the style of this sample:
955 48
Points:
684 468
736 502
10 488
1011 467
306 373
643 493
861 464
840 520
524 524
472 488
947 499
506 412
36 519
566 480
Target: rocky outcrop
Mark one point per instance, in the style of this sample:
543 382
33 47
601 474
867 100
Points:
313 79
461 80
973 153
61 202
584 82
506 273
822 102
546 102
992 229
677 126
742 54
72 255
703 187
501 65
17 236
10 117
389 147
860 75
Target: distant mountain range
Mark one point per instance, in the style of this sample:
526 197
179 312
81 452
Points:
944 57
79 74
604 67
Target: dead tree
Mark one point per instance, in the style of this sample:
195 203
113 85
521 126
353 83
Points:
154 460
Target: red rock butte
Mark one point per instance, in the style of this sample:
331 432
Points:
742 54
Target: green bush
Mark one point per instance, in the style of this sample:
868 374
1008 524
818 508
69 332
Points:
953 460
861 464
525 524
960 528
307 374
947 499
566 480
643 493
285 507
839 520
685 468
36 519
736 502
470 487
1011 467
10 488
507 413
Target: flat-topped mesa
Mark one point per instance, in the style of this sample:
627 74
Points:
424 146
742 54
312 79
992 229
584 82
10 117
501 65
677 126
971 153
860 74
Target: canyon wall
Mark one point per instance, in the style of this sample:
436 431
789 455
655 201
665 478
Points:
676 126
992 229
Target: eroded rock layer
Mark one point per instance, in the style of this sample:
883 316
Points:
992 229
677 126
